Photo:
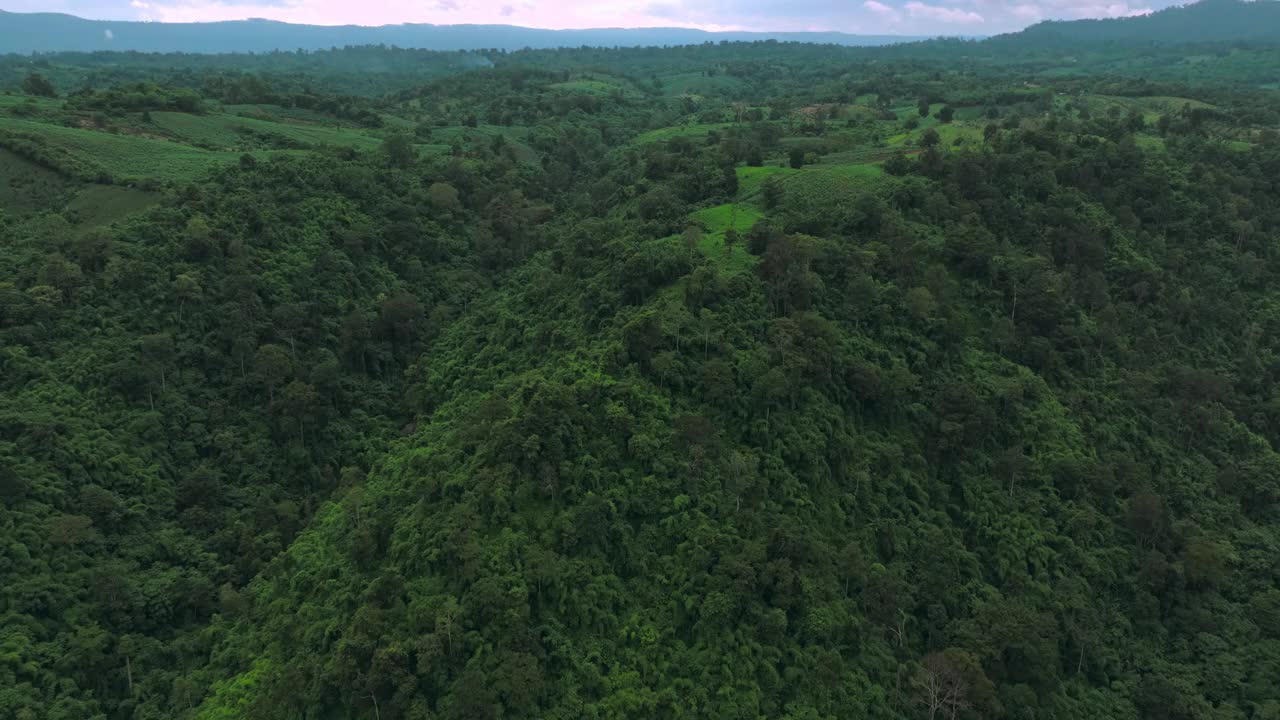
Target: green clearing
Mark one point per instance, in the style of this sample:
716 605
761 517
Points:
965 134
971 114
104 204
395 122
807 144
909 111
948 132
858 171
866 155
11 101
1151 107
426 149
1149 142
231 132
276 113
122 157
825 186
751 179
715 222
720 218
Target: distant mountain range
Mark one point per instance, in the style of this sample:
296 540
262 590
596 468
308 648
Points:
50 32
1205 21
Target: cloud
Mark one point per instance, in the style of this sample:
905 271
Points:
879 8
1030 13
447 5
507 11
1113 10
933 12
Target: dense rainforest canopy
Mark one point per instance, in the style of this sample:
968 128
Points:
743 381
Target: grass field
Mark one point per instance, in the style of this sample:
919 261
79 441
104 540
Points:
715 221
1149 142
912 111
972 114
104 204
8 102
1151 107
277 112
822 186
847 171
948 132
231 132
966 134
751 179
125 157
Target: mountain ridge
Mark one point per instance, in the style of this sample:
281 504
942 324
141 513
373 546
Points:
57 32
1204 21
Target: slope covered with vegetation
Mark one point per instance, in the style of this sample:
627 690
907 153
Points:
1203 21
595 385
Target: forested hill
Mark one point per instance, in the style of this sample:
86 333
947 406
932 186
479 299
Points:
48 32
1204 21
727 381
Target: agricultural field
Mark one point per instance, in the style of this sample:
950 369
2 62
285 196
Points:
9 102
715 223
1151 107
821 194
266 111
97 205
95 155
242 133
751 179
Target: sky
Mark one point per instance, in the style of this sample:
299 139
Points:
879 17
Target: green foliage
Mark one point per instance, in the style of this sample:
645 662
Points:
39 86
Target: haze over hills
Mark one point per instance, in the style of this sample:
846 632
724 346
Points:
51 32
1207 21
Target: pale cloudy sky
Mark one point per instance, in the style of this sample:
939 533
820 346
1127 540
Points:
903 17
